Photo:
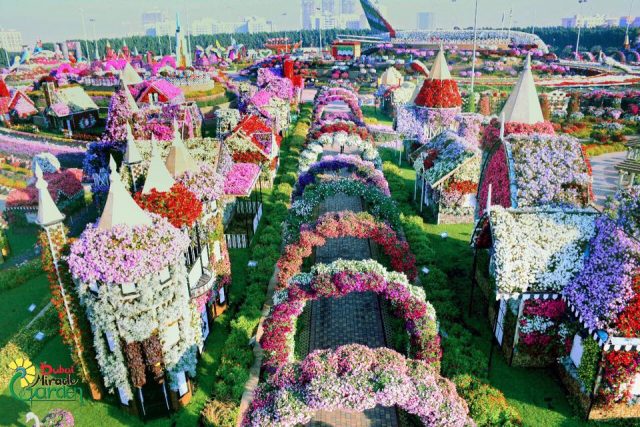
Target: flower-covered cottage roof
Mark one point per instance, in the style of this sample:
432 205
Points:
536 170
535 250
74 98
391 77
19 103
167 92
254 129
442 156
523 105
605 295
241 179
439 90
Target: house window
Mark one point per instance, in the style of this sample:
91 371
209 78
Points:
183 386
172 334
221 295
111 343
635 385
165 275
124 397
193 251
576 350
128 288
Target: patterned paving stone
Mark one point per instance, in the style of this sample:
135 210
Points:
352 319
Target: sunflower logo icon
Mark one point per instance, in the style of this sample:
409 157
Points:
26 368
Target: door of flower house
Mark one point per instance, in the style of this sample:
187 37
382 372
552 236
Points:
154 399
500 321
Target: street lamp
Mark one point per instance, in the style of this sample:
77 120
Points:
626 34
320 29
475 46
84 34
579 28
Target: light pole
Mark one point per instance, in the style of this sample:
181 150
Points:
626 33
84 34
95 39
475 47
320 29
579 28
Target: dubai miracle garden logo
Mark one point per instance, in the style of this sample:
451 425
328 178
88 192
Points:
46 384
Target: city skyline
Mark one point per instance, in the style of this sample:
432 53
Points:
118 17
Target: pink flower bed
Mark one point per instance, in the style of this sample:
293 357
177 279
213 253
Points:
240 179
28 148
66 183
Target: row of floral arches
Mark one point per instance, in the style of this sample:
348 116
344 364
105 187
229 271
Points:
351 377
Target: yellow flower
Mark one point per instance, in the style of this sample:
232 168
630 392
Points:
26 368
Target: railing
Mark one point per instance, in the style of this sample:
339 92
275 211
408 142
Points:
236 241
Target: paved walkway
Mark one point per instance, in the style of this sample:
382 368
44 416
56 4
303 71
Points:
605 177
352 319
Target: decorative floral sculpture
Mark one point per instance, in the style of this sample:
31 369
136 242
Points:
178 205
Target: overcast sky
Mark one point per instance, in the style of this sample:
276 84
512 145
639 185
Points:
62 19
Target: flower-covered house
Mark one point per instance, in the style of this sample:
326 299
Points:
435 107
523 260
447 174
158 91
600 364
130 276
15 103
69 108
254 141
534 220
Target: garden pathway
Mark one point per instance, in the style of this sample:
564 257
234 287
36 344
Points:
355 318
605 177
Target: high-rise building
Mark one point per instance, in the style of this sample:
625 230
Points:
585 21
348 7
329 7
426 21
258 25
228 27
202 26
11 40
151 19
308 10
633 22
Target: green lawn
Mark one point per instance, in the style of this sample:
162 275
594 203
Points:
21 239
107 412
14 303
375 116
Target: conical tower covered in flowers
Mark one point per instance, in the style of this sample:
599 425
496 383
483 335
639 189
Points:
439 90
130 274
523 105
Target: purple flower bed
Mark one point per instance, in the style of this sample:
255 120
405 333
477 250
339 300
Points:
604 286
362 170
206 184
124 254
26 148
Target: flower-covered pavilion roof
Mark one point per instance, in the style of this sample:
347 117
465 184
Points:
523 105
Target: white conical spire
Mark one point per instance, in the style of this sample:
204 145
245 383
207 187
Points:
179 160
132 154
120 208
129 76
440 69
48 212
158 176
523 105
130 101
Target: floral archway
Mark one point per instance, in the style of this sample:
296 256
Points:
360 170
337 94
356 378
334 225
339 279
302 210
313 149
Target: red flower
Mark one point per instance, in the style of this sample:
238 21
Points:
179 206
439 94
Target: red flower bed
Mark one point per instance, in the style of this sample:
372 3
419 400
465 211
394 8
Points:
179 206
254 157
628 322
349 128
463 187
496 174
619 367
439 94
345 224
66 182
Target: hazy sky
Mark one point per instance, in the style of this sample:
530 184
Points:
62 19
